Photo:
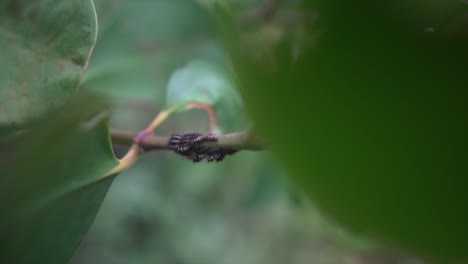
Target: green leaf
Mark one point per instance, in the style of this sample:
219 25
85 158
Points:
208 83
370 120
52 185
45 46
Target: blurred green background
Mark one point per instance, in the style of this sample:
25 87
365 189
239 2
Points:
168 210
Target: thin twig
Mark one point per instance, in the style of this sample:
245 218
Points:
137 141
209 111
238 141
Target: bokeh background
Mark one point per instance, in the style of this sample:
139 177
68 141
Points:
168 210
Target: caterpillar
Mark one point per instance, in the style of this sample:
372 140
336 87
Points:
191 146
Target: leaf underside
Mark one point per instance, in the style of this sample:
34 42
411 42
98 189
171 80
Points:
45 46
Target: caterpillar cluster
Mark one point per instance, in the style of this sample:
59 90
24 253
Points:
191 146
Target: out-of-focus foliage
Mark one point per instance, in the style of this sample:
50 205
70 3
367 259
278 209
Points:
44 47
369 115
142 42
49 188
168 210
364 103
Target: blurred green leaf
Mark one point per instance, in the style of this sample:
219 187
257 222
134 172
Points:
208 83
371 120
44 51
50 187
141 42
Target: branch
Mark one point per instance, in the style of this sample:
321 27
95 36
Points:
193 146
238 141
136 141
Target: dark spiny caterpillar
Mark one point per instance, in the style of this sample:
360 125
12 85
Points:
191 146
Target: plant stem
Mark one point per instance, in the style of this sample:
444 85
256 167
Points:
127 161
160 118
238 141
209 111
146 140
136 141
